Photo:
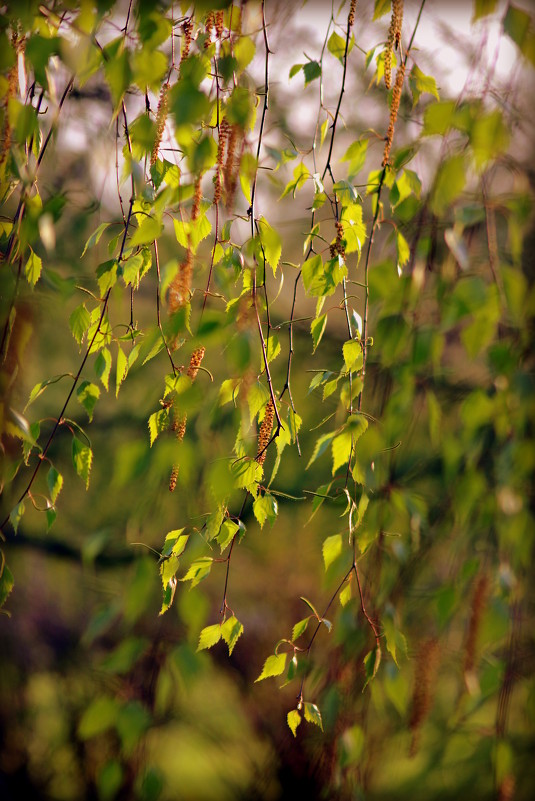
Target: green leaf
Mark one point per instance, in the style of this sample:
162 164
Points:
103 367
294 719
82 457
317 328
356 155
322 443
117 70
198 570
6 581
122 659
449 184
403 249
311 70
342 447
148 230
95 238
121 370
265 508
345 594
337 46
246 472
55 483
295 69
226 533
313 715
33 267
240 107
483 8
107 275
353 356
273 666
174 543
420 83
88 395
438 118
16 515
372 660
518 26
79 322
99 716
158 422
380 8
209 637
231 631
331 549
396 644
271 242
300 628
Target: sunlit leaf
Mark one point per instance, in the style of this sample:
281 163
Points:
273 666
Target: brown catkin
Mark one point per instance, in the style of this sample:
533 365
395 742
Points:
221 142
219 24
195 362
187 27
173 478
397 17
394 108
210 21
264 433
426 665
479 600
351 16
389 48
161 118
180 289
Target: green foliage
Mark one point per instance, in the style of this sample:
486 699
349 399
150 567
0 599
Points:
322 331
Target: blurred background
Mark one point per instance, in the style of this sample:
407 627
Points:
100 697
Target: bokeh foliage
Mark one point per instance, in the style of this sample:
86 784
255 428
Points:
319 338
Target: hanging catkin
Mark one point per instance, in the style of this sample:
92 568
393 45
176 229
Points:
264 433
161 118
394 109
179 420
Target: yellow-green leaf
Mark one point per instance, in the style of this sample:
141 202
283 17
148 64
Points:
273 666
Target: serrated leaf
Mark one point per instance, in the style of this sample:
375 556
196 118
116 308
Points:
341 449
265 508
300 628
55 483
158 422
420 83
103 364
331 549
226 533
79 322
95 237
121 369
33 267
209 637
246 472
168 595
322 443
231 631
149 229
82 457
313 715
107 275
353 357
310 606
403 250
317 328
198 570
88 395
294 719
273 666
174 543
271 243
